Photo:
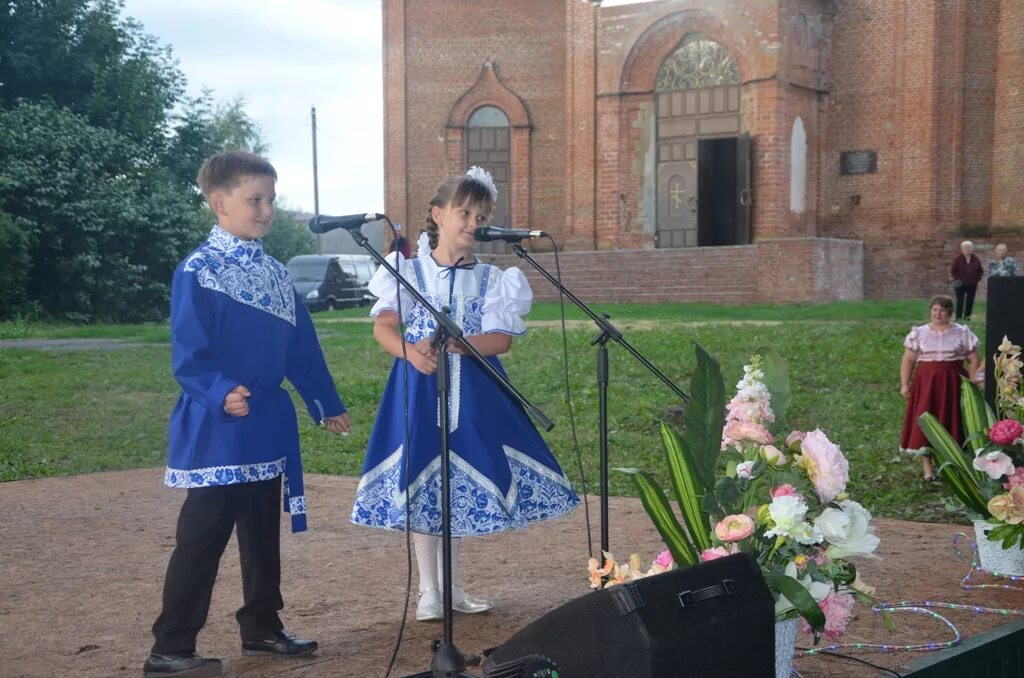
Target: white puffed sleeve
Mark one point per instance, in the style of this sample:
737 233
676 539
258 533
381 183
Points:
507 300
913 340
384 286
971 342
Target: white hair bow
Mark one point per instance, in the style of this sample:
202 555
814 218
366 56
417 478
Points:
484 177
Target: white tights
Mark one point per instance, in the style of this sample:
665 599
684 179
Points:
429 561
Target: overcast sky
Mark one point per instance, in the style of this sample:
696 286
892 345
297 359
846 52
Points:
283 58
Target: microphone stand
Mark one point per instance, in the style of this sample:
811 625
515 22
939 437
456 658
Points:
607 332
448 661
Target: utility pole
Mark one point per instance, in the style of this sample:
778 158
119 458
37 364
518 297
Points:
316 186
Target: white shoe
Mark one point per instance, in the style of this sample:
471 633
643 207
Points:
429 608
467 604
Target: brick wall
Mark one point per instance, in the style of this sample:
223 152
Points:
434 52
935 87
1008 153
787 270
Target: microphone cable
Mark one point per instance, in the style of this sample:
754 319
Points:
568 398
405 442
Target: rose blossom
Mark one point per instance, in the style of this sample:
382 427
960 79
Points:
995 464
713 553
1004 432
664 560
734 527
794 438
743 469
747 430
825 465
838 610
786 490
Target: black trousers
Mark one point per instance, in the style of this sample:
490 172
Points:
964 301
204 526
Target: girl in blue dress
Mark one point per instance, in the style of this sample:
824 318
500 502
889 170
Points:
503 475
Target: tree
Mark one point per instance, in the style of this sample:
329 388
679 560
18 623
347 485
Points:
107 227
288 237
202 129
83 55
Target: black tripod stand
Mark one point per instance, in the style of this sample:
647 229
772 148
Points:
448 662
608 332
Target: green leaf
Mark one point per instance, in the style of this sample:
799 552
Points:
776 379
973 414
959 474
689 492
800 597
704 417
660 512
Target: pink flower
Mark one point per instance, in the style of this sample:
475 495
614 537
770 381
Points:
746 430
743 470
825 465
1017 479
713 553
838 610
783 491
734 527
664 560
794 438
995 464
1004 432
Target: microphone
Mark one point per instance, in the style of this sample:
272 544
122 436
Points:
489 233
322 224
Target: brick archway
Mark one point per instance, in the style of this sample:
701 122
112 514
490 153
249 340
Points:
488 90
657 42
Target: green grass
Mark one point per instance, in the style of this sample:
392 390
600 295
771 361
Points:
64 412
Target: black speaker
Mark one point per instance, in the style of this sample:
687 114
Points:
713 619
1003 317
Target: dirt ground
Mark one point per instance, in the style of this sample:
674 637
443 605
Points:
82 561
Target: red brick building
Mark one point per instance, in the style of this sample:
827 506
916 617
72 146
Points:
729 150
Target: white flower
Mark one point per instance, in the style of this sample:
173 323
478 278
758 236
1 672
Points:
788 514
743 470
995 464
818 590
847 530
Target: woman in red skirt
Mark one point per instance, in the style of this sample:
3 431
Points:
935 355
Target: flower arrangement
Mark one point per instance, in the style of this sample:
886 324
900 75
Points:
613 574
743 488
987 473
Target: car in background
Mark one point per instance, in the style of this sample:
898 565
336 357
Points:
330 281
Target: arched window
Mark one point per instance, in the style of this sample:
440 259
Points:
697 62
488 146
488 116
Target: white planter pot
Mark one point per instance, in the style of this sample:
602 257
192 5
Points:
993 556
785 646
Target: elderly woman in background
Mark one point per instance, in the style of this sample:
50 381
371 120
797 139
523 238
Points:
934 353
1002 265
965 273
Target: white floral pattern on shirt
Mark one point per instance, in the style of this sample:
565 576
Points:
240 269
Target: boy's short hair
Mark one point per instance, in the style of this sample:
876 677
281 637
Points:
224 171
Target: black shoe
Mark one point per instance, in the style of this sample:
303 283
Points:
182 664
281 644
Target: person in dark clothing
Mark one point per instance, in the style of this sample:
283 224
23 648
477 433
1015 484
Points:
966 272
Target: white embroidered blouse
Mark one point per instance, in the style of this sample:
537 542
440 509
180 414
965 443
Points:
482 298
930 346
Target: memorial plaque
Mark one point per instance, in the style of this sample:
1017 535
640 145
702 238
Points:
858 162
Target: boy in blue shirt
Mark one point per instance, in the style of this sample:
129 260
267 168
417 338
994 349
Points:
238 330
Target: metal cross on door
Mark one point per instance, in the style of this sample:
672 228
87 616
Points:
677 204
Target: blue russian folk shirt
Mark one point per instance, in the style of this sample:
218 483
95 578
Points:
236 320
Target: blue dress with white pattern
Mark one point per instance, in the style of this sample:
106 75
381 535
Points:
503 475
